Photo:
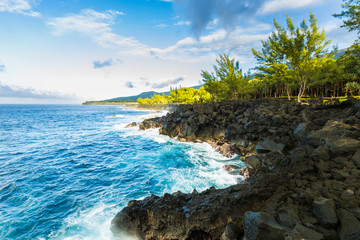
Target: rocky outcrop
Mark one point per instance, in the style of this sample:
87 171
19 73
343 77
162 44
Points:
155 122
302 168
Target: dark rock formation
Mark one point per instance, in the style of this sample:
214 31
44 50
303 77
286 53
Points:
151 123
261 225
130 125
302 168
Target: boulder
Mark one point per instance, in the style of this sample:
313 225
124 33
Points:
344 145
339 174
300 133
261 225
252 162
324 210
329 234
151 123
300 161
288 215
232 232
308 115
268 146
321 153
350 226
230 168
306 133
307 233
133 124
251 126
278 120
356 158
234 131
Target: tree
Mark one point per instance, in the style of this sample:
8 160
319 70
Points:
352 87
228 81
212 85
301 49
350 14
350 60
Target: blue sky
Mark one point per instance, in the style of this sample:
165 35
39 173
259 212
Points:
67 51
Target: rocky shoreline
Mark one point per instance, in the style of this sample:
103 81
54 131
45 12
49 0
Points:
302 174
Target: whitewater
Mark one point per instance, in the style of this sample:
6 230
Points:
66 170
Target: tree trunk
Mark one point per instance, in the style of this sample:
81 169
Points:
288 93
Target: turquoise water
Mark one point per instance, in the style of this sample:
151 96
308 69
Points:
66 170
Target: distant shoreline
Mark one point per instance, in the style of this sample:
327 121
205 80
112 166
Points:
109 103
133 105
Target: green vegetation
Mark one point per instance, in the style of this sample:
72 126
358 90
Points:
293 54
293 61
352 87
351 15
178 96
228 81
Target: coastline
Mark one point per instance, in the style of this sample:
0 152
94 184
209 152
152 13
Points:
150 107
133 105
289 187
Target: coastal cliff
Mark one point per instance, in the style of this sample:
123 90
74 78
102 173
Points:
301 180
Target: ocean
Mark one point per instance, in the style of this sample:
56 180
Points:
66 170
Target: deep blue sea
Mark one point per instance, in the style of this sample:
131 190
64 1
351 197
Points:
66 170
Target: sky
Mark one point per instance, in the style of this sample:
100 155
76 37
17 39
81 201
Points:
69 51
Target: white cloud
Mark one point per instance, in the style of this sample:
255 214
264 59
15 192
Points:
238 42
96 25
183 23
339 36
162 26
166 83
18 6
281 5
88 21
12 91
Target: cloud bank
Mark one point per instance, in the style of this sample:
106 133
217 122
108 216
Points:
201 13
19 92
88 21
18 6
166 83
281 5
96 25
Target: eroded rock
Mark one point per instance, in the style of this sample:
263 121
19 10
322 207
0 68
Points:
261 225
324 210
301 156
350 226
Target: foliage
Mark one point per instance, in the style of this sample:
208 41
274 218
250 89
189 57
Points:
291 55
350 61
350 14
352 87
227 82
178 96
293 61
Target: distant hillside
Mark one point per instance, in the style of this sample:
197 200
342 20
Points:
339 53
143 95
134 98
129 99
